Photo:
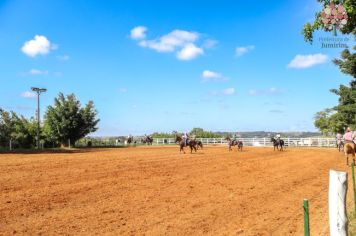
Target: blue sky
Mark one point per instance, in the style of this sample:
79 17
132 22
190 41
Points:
158 66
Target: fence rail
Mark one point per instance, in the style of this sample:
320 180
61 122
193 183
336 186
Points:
256 142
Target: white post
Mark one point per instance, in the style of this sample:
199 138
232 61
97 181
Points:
264 142
10 145
337 203
69 143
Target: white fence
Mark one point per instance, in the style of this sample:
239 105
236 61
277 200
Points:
261 142
257 142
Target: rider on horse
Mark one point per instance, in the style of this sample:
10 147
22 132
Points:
349 137
234 138
186 138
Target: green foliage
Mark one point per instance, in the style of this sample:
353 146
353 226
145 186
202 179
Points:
163 135
199 132
67 120
346 108
347 63
349 28
329 122
18 129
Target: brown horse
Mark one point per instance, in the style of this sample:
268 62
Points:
349 148
237 143
191 143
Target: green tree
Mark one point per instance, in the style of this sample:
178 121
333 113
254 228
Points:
24 131
5 127
67 120
201 133
343 114
18 129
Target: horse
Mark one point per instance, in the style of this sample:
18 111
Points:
237 143
279 143
129 140
349 148
191 143
340 144
199 144
147 140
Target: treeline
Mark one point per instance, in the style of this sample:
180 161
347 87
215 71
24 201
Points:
65 122
201 133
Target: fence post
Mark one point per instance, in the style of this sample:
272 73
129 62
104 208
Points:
337 203
353 186
69 143
10 145
306 217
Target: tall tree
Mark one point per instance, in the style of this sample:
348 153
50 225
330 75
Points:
18 129
343 114
67 120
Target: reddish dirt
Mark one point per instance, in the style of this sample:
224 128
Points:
156 190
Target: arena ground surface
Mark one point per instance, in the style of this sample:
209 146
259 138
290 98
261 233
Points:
157 191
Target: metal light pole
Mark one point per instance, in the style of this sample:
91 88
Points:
38 91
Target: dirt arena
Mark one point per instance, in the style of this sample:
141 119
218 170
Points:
157 191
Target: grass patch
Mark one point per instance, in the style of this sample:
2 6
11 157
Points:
352 224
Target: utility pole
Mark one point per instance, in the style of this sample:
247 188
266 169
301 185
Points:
38 91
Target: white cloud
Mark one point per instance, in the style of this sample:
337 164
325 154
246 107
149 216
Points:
63 57
38 72
239 51
28 94
138 32
182 42
229 91
40 45
306 61
211 75
189 52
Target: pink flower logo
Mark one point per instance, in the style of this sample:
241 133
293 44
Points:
334 17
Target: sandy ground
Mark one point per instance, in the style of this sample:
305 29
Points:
157 191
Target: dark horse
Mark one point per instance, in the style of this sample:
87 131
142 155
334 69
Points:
129 140
237 143
147 140
191 143
199 144
279 143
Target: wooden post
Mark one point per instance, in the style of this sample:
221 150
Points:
353 185
306 217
